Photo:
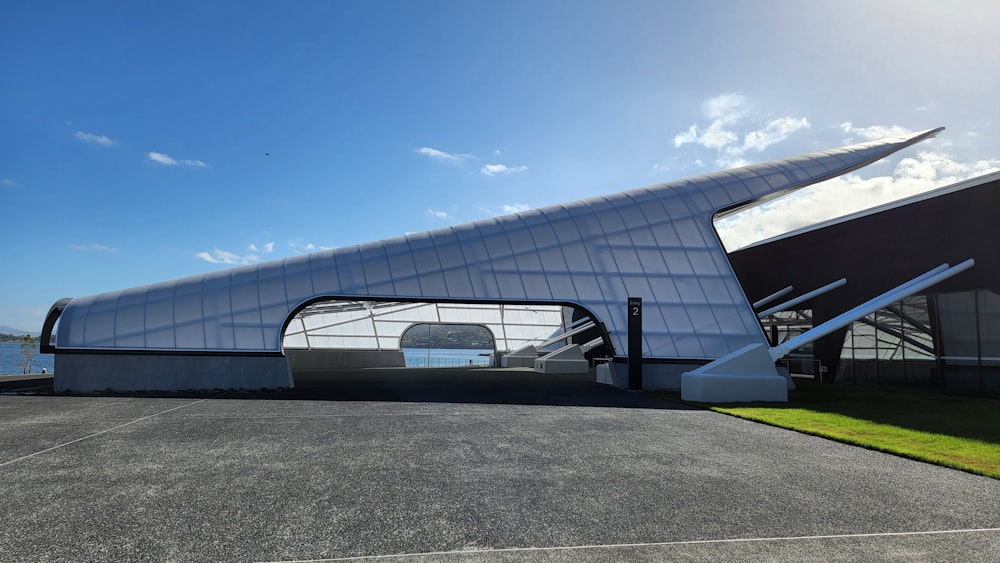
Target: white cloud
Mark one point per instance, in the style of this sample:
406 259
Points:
847 194
442 155
727 108
685 137
727 113
501 169
874 132
775 131
300 247
94 139
439 214
219 256
7 183
731 157
504 209
513 208
716 136
267 248
724 110
163 158
95 248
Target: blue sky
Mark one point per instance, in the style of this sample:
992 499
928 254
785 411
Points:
144 141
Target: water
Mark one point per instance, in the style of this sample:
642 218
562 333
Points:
10 360
439 357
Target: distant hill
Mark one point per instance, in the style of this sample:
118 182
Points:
16 332
447 336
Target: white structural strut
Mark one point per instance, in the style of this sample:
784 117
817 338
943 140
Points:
772 297
804 297
748 374
915 285
567 334
578 322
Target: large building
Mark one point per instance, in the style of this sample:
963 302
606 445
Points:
700 332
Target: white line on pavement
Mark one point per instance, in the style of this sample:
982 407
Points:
22 458
627 545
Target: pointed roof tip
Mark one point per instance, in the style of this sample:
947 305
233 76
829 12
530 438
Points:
898 142
929 133
910 138
858 156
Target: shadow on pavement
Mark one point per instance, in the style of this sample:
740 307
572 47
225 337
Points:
458 385
488 386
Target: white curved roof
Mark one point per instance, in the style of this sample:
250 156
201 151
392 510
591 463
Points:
657 243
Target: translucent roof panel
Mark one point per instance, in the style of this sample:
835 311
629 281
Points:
379 326
657 243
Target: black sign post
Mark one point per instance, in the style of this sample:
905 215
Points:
635 343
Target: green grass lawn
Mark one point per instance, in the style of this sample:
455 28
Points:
958 432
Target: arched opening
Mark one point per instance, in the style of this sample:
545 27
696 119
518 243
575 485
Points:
438 345
331 334
49 327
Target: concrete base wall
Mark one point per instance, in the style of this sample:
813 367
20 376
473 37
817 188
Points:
149 372
655 375
332 359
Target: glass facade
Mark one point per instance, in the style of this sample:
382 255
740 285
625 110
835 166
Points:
946 341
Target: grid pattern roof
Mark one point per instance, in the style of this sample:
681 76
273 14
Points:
657 243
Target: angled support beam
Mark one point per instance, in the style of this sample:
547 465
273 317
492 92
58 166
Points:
567 334
592 344
915 285
772 297
804 297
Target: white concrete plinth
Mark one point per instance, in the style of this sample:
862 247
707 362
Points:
543 365
523 357
733 388
748 374
568 359
518 361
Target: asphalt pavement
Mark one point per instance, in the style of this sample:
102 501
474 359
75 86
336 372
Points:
459 465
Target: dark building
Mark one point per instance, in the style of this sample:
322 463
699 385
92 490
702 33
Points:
946 338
